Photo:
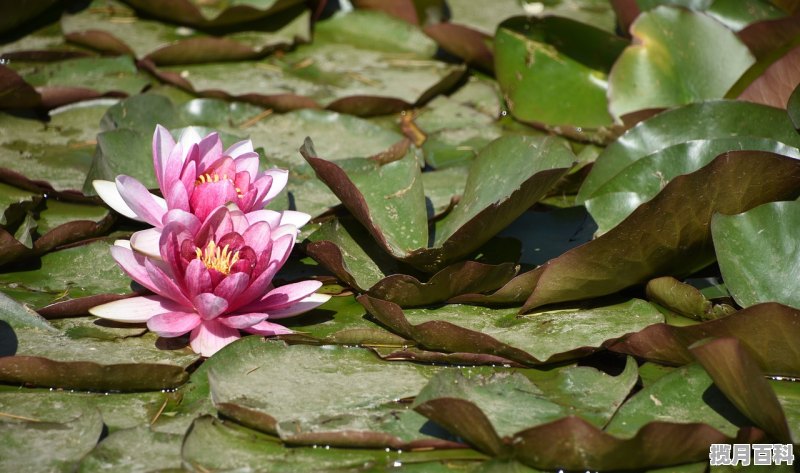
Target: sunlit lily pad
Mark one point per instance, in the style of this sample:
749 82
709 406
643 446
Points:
135 449
113 27
360 409
757 260
533 338
767 331
49 446
678 57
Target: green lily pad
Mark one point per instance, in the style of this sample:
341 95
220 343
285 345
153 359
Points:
757 260
531 339
113 27
697 123
74 80
136 449
70 273
736 15
375 31
360 409
554 73
737 375
244 448
672 234
214 15
49 446
766 330
46 43
57 153
340 321
482 212
120 411
678 57
642 180
686 395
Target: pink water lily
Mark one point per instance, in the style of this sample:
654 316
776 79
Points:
213 279
196 176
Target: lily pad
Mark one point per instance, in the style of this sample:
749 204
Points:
136 449
113 27
531 339
56 155
213 15
671 234
74 80
765 330
686 395
70 273
120 411
553 72
678 57
757 261
697 123
482 212
360 409
685 299
244 448
735 15
49 446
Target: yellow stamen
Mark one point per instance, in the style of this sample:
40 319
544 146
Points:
217 258
205 178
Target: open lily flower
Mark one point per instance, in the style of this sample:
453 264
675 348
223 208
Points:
213 279
196 176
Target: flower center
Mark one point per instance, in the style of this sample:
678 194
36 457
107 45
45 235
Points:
214 177
217 258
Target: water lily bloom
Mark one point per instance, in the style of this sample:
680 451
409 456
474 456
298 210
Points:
196 176
213 279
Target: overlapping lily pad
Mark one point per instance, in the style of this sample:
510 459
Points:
113 27
675 60
532 339
211 15
360 409
137 449
553 72
756 258
73 80
483 210
767 331
670 234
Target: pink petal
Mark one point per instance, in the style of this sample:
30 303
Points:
242 321
272 217
189 136
215 221
173 324
209 305
268 329
292 217
282 247
257 287
247 162
210 152
262 185
162 147
172 237
107 191
238 149
283 296
211 336
211 195
173 167
257 236
279 179
303 305
189 176
197 280
133 265
146 242
177 198
188 220
233 285
164 284
134 309
147 206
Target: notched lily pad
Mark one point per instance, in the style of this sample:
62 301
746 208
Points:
767 331
350 397
544 337
482 212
